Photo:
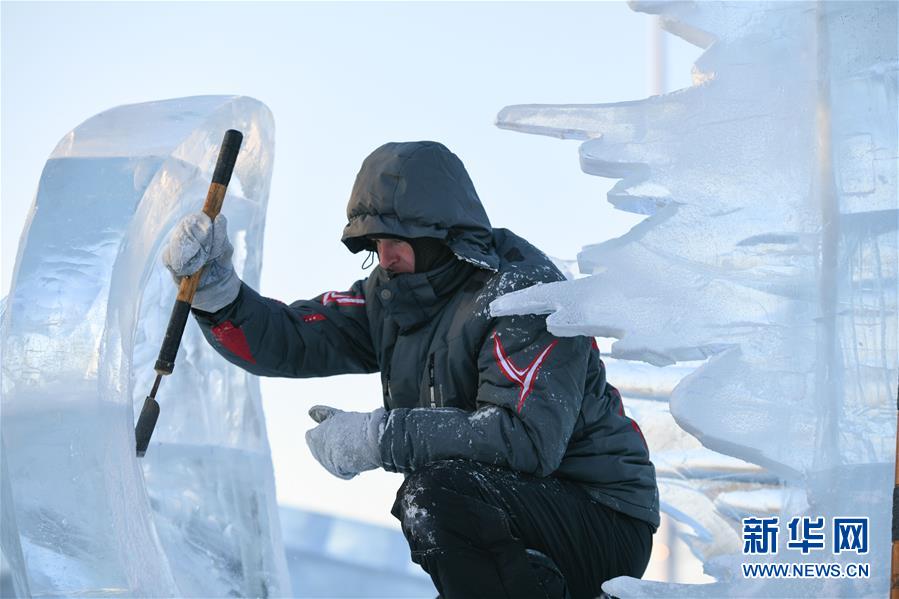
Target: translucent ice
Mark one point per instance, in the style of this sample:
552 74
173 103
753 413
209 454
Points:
770 250
697 486
13 580
87 309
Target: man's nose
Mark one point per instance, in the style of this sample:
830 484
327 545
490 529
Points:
386 258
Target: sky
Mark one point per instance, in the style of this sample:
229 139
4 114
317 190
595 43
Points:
340 79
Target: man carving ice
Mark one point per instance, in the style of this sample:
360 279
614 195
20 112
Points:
524 477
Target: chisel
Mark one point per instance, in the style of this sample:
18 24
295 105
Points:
165 364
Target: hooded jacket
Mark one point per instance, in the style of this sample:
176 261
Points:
457 382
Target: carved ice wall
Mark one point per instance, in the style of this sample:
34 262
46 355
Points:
769 250
82 324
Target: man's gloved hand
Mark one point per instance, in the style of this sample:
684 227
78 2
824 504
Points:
197 242
346 443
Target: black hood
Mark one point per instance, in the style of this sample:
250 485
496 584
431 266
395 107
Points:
419 189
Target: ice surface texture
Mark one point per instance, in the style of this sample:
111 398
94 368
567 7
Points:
84 320
770 249
13 579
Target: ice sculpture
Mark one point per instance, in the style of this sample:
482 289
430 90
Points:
87 309
769 250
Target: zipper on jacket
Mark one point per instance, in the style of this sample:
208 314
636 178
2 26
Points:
431 380
387 388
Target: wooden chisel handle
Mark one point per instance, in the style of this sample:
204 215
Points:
224 167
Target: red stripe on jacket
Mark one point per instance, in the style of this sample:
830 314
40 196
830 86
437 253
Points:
233 339
617 395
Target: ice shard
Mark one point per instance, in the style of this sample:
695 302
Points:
769 252
84 319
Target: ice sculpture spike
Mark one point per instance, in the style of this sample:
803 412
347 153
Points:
85 316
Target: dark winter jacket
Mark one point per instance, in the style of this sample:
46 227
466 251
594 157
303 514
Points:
457 382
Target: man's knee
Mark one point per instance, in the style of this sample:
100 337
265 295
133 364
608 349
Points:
447 503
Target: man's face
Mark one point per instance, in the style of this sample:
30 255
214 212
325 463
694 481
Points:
395 256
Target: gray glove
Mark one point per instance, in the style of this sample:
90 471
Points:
198 242
346 443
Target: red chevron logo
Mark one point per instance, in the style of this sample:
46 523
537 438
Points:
524 378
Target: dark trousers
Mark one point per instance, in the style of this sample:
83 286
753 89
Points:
469 525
